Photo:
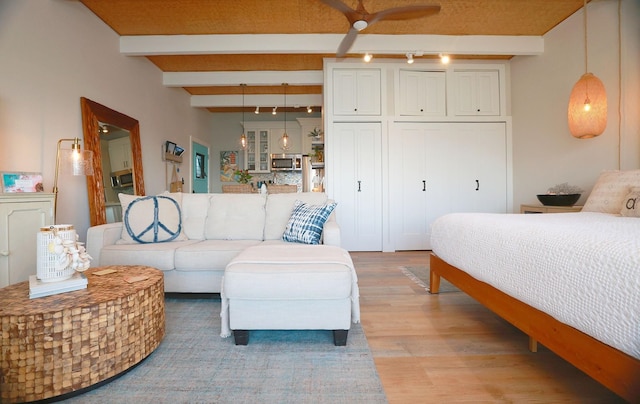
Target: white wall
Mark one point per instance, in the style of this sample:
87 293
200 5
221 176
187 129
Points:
54 52
544 152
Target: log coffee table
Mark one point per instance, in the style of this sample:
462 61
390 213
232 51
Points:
63 343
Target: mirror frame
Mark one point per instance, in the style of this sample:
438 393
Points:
92 113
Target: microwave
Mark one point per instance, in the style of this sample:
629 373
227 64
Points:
286 162
122 179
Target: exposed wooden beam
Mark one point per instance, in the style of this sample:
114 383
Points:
148 45
253 78
260 100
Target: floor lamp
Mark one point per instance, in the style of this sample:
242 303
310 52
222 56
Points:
74 161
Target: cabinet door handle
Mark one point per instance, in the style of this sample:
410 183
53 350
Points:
359 189
477 185
4 253
424 185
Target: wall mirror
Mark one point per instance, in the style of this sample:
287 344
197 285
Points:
102 193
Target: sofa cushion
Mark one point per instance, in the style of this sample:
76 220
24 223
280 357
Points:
209 254
194 214
157 255
151 219
306 222
235 217
279 208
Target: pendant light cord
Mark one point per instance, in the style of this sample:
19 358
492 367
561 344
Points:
586 51
619 84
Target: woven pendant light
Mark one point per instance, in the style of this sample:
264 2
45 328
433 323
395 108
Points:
587 111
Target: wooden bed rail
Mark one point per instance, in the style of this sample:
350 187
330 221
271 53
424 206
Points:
612 368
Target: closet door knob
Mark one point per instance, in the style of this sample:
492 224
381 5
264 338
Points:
359 189
477 185
4 253
424 185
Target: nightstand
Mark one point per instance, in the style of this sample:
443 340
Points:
549 209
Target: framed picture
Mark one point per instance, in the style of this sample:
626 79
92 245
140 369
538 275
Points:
170 147
21 182
178 151
228 165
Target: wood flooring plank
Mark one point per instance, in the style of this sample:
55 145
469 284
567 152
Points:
448 348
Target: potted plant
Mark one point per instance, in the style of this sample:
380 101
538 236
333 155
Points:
316 134
243 176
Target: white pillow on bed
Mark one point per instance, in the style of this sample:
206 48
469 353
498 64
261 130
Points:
610 191
631 203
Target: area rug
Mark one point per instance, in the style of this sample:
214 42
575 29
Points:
193 364
420 275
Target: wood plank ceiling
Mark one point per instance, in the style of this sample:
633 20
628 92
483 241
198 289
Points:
210 47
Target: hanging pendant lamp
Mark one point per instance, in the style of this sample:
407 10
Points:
284 140
587 111
243 137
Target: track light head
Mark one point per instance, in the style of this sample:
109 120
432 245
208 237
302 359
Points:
410 58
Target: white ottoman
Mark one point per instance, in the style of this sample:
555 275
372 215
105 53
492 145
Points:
290 287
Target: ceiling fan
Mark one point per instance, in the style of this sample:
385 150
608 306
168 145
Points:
360 18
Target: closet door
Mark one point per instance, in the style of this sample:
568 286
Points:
420 193
440 168
357 167
478 167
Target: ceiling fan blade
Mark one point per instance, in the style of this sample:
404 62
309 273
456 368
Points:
338 5
403 13
347 42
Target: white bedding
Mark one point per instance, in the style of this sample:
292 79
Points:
581 268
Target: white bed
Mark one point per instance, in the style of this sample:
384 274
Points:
568 280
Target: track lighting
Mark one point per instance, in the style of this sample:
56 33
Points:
274 110
309 109
410 58
367 57
257 111
444 59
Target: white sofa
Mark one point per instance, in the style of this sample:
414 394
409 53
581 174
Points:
211 229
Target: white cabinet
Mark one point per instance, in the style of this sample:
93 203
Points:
21 217
422 93
356 167
120 154
439 168
477 92
356 92
256 155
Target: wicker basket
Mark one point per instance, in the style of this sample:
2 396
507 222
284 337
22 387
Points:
282 189
46 261
237 189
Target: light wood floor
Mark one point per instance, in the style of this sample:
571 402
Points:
448 348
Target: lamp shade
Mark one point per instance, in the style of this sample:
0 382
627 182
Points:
587 110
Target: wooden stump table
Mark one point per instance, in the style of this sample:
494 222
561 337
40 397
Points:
63 343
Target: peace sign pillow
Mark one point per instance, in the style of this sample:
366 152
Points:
151 219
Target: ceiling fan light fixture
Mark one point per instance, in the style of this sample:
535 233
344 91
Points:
367 57
360 25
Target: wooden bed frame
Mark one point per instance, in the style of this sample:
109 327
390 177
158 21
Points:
614 369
